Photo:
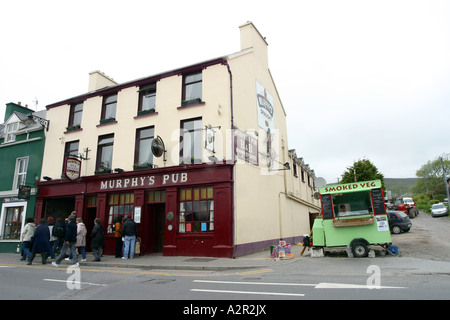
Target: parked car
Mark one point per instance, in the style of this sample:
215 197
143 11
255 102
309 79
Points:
439 210
398 222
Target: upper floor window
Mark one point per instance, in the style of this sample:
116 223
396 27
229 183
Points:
109 108
191 141
147 99
192 88
76 111
20 175
10 131
104 153
143 156
71 150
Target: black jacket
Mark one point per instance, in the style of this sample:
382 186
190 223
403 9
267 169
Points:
71 232
98 238
130 228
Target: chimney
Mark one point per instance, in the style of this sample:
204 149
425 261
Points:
99 80
251 38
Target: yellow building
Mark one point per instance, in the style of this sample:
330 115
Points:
197 155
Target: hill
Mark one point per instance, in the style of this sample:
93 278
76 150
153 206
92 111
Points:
399 186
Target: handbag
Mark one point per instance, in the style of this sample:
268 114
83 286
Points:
137 247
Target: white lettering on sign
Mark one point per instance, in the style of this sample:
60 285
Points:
144 181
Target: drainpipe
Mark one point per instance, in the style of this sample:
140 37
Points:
225 62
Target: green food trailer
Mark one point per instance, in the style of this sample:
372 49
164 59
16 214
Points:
353 215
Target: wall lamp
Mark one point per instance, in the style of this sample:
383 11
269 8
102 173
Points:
286 166
118 170
43 122
47 178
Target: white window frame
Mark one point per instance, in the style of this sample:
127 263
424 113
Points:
20 176
3 217
10 131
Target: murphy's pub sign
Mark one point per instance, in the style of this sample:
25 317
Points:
144 181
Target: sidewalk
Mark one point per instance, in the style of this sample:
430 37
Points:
159 262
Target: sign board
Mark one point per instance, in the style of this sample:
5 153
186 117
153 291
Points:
24 192
72 168
265 108
350 187
246 147
158 147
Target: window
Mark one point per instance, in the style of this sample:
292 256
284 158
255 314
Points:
191 141
119 205
155 196
11 131
143 151
20 176
104 153
196 210
192 88
109 108
147 99
70 150
12 223
76 111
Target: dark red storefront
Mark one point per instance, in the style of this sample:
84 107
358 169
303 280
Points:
181 211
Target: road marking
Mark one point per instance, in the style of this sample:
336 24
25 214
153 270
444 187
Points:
260 283
251 292
325 285
76 282
322 285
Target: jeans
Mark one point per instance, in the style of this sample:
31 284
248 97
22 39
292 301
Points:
73 252
128 246
82 252
26 246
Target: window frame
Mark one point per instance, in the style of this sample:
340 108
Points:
119 204
74 113
137 150
187 83
196 145
10 135
187 204
105 108
147 91
20 176
20 224
100 151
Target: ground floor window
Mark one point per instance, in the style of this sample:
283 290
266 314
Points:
196 210
12 223
119 205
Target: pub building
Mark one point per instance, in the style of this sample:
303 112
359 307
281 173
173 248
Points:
198 156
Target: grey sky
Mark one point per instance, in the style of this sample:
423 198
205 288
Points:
358 79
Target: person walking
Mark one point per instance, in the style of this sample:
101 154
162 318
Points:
27 234
129 232
51 224
70 240
81 238
58 231
41 242
118 236
98 240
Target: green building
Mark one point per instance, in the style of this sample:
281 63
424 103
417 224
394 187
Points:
22 138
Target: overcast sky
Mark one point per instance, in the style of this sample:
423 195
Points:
358 79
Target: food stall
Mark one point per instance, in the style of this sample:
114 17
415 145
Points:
353 215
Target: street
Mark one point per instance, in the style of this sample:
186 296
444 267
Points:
405 277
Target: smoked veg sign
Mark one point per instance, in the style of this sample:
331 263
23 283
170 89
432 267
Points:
72 168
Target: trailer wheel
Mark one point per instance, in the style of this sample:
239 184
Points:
359 248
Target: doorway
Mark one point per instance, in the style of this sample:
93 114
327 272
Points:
154 228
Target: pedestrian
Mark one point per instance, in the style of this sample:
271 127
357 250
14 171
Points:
27 234
98 240
41 242
118 236
129 232
70 240
81 240
58 231
51 225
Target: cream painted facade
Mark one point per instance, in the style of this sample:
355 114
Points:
269 204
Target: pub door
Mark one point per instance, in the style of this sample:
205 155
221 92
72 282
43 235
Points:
154 228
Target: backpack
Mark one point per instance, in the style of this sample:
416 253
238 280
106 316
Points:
58 231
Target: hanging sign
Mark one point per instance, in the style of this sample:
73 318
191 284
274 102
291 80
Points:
72 168
264 106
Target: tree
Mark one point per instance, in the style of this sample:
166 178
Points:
432 177
362 170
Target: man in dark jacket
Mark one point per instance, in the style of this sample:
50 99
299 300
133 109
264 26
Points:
129 232
70 239
41 242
